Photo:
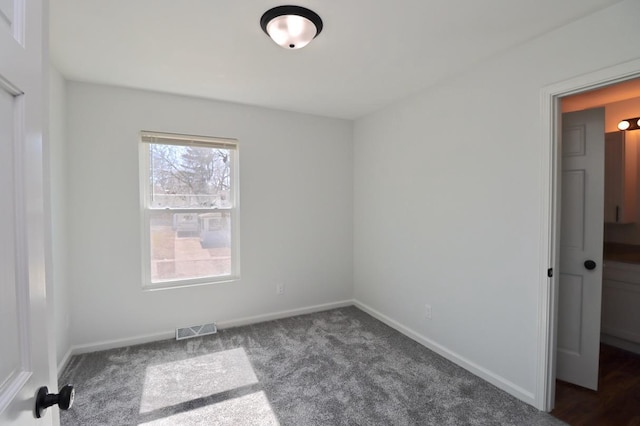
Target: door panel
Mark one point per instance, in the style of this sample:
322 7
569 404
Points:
573 193
10 305
581 234
6 14
569 329
26 358
573 142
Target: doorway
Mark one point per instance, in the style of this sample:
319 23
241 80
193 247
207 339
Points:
550 256
616 279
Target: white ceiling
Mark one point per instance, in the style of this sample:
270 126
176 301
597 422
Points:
369 54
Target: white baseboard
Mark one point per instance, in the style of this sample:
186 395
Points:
120 343
63 362
283 314
468 365
620 343
136 340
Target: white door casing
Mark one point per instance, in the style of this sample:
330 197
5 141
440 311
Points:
581 239
25 317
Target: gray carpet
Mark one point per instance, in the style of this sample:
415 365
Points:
339 367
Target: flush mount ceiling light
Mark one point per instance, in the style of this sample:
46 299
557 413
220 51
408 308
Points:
291 27
629 124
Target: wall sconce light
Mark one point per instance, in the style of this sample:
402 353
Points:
291 27
629 124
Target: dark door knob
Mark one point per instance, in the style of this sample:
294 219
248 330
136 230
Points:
44 399
590 264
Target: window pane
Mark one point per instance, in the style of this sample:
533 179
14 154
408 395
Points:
190 245
189 177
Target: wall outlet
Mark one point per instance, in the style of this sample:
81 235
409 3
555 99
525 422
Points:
280 288
427 311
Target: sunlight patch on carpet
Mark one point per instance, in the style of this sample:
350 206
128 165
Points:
173 383
251 409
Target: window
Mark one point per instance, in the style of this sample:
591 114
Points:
189 209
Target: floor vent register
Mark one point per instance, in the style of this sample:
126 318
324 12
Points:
196 330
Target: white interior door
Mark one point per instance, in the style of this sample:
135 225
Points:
25 355
581 239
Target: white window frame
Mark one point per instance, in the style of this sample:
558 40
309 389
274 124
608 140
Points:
149 137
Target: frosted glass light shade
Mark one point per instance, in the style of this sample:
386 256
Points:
291 27
623 125
291 31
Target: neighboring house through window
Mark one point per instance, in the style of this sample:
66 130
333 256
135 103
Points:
189 191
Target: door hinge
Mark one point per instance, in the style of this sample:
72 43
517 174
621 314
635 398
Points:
550 272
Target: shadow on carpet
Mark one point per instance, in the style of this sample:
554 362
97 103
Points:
339 367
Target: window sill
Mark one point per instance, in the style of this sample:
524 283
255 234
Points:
172 285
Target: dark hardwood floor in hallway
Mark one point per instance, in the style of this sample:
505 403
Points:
617 401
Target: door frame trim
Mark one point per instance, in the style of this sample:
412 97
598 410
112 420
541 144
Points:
550 167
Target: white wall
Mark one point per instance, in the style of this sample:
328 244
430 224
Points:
448 194
59 199
296 189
